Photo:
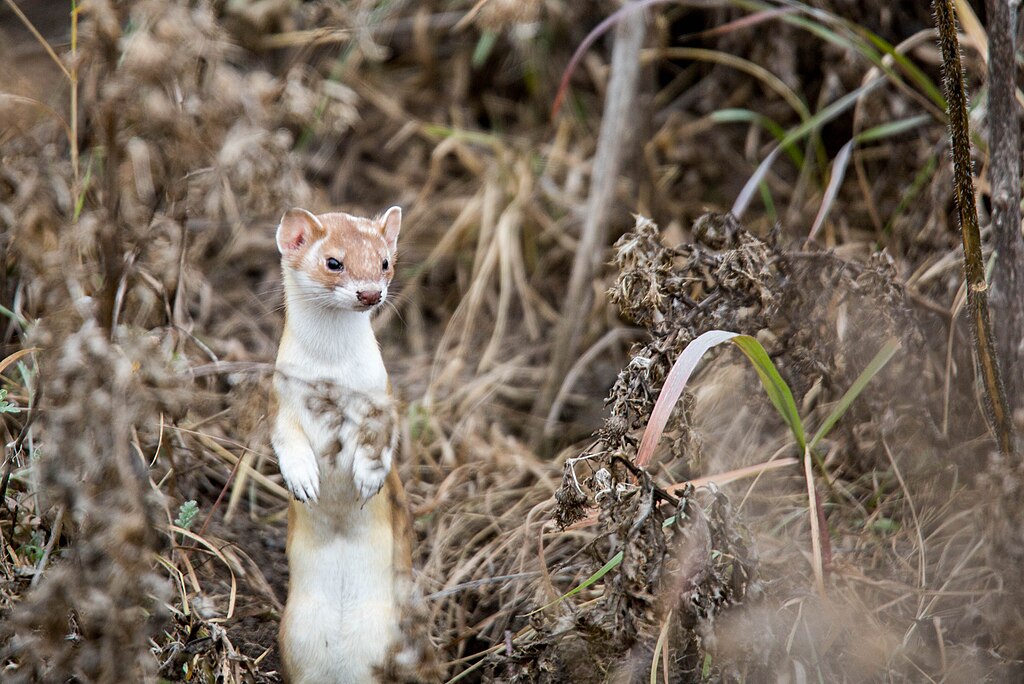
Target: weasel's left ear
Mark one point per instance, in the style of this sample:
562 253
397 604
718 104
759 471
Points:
392 223
298 227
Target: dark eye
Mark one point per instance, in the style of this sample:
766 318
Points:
385 265
334 265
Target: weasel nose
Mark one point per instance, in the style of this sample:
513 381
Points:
368 297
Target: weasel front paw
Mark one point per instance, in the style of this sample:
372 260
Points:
370 469
301 474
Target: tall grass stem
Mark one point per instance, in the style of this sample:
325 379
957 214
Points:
986 355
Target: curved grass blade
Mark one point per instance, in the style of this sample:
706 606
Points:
839 165
916 75
766 77
776 388
781 397
753 183
612 563
743 22
740 115
15 356
601 572
673 387
856 39
892 128
818 120
659 647
842 160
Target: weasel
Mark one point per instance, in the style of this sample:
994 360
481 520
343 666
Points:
335 434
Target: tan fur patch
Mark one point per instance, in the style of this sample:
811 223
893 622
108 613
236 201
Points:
362 243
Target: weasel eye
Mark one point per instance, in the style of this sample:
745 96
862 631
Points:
385 265
334 265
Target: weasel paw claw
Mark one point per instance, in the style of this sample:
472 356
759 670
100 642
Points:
302 477
369 471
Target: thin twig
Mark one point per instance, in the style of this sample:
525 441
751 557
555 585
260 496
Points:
616 123
818 563
39 37
73 77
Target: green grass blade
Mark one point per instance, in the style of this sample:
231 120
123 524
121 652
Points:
925 84
854 39
921 180
819 23
831 111
4 311
601 572
776 388
483 49
887 351
893 128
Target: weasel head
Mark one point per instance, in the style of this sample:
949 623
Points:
339 261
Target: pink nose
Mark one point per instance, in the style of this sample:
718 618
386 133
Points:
368 297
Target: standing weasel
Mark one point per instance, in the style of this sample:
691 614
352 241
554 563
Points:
335 433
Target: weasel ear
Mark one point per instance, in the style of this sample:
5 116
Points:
392 223
298 227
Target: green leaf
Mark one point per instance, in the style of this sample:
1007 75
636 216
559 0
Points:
777 389
885 525
684 366
187 514
705 670
6 406
483 49
601 572
925 84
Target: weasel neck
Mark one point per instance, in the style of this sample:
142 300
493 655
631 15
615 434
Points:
329 343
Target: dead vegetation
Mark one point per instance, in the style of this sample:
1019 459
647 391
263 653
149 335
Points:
141 306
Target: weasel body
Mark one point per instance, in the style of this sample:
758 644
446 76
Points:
335 434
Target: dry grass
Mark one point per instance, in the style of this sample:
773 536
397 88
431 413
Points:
138 261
